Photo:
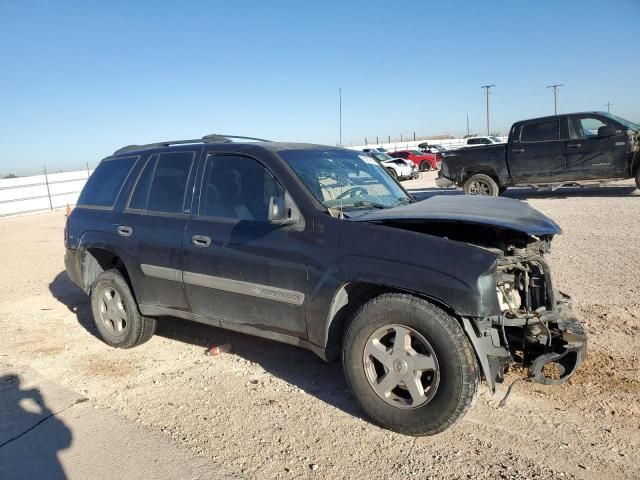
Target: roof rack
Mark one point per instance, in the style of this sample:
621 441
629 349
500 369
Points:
212 138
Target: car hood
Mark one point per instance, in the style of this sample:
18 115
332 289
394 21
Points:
503 213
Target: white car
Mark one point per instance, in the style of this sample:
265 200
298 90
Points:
397 167
479 141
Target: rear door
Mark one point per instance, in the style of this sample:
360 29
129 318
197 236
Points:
240 268
592 156
152 226
536 153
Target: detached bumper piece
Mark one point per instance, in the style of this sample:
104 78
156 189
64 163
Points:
565 345
443 182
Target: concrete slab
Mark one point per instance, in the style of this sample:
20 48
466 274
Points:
49 432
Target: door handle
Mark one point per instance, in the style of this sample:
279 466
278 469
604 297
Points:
574 145
517 150
124 231
201 241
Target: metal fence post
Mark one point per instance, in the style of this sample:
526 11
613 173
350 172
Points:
46 181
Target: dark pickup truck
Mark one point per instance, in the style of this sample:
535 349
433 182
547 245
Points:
578 148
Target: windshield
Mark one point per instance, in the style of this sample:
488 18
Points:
628 124
343 178
383 157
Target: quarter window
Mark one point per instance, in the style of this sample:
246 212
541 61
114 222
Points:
238 188
540 131
105 183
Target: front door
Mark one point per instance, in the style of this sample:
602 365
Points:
152 226
536 154
240 268
592 155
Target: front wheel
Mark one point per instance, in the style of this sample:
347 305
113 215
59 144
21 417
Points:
116 314
393 173
480 184
409 365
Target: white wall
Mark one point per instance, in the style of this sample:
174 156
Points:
449 143
29 194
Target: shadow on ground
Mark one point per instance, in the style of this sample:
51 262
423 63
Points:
524 193
296 366
24 451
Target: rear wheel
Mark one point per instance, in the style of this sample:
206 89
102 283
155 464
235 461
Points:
409 365
116 313
481 184
425 166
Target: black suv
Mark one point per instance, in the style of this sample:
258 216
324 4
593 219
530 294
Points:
320 247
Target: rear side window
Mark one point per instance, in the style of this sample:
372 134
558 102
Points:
540 131
105 183
162 184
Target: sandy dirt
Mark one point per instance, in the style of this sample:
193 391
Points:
268 410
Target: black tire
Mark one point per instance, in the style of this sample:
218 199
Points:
481 184
425 166
458 376
392 172
134 328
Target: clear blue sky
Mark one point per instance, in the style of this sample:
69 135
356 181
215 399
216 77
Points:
79 79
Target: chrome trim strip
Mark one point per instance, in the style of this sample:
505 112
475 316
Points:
225 284
245 288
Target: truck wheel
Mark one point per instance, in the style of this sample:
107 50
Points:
116 313
480 184
409 365
425 166
392 172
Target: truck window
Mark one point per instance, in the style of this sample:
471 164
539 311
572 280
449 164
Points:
238 188
154 175
585 127
540 131
105 183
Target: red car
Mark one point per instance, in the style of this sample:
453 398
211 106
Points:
425 161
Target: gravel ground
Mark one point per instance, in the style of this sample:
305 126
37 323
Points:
268 410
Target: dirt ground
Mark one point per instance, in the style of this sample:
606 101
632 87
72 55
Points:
268 410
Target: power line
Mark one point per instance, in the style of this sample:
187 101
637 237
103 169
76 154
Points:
487 87
555 96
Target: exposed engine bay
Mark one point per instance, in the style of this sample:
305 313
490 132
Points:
535 328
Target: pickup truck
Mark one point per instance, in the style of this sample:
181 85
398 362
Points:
578 148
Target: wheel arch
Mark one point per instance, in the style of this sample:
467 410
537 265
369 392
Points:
483 170
348 299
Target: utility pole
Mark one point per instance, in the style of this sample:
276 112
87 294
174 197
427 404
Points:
467 124
486 88
555 96
340 94
609 107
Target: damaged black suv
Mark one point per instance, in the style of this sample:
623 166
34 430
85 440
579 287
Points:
320 247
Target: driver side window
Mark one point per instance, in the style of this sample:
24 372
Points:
585 127
237 187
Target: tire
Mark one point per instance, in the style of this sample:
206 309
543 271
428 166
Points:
118 320
425 166
393 173
638 178
481 184
448 386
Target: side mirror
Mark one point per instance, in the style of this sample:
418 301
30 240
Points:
606 131
278 212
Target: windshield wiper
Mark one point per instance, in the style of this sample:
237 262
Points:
401 200
365 203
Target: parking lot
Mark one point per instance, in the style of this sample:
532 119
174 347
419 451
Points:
268 410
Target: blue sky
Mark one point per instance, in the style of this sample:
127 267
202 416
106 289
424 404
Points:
80 79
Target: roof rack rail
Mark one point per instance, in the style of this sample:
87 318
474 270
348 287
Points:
211 138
